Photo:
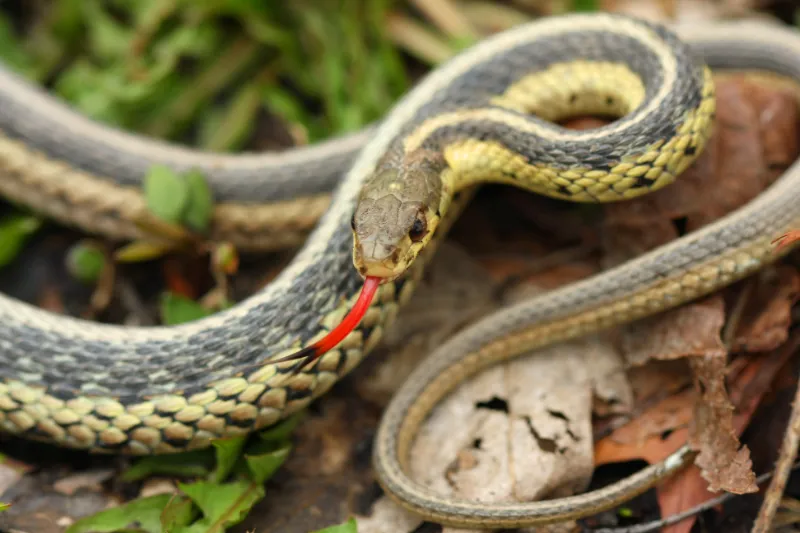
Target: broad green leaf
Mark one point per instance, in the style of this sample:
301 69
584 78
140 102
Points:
85 261
15 230
194 463
177 309
139 251
4 506
167 193
263 466
200 205
348 527
222 505
142 515
227 452
178 513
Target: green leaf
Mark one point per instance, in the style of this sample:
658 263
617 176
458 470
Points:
201 202
107 39
11 50
178 513
348 527
167 193
225 258
14 233
139 251
142 515
227 452
236 123
4 506
263 466
280 432
222 505
86 261
177 309
186 464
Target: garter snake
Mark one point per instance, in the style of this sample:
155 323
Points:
151 390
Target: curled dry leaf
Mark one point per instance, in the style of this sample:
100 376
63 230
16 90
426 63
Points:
664 427
725 465
747 388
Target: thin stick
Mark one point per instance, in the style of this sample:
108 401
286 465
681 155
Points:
674 519
787 455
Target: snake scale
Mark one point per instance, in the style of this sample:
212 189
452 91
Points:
382 199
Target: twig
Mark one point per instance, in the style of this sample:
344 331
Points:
418 40
786 457
735 316
491 17
448 18
674 519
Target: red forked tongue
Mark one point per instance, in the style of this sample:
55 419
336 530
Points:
337 334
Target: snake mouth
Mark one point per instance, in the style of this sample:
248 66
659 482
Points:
386 269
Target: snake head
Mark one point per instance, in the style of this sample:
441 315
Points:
396 215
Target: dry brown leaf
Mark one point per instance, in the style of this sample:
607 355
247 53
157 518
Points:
693 330
755 138
725 465
768 315
688 488
658 380
157 485
653 435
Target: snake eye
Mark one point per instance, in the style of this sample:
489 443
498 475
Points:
419 228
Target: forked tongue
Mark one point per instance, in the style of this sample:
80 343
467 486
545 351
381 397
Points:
337 334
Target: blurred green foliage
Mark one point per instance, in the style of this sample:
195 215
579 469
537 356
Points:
201 71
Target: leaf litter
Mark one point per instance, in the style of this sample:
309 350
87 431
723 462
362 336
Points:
557 419
522 431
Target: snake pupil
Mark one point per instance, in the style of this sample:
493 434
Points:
419 228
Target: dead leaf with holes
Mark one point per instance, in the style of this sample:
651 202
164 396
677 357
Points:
520 431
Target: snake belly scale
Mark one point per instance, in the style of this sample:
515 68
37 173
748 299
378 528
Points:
106 388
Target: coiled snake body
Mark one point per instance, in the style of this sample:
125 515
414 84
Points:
166 389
